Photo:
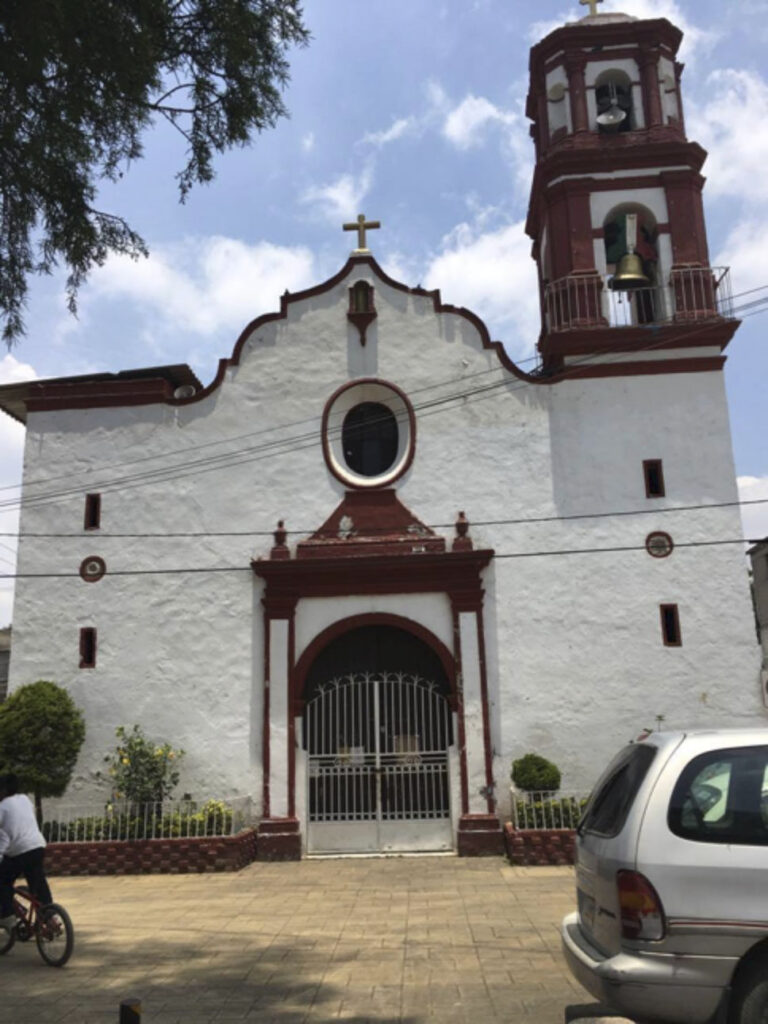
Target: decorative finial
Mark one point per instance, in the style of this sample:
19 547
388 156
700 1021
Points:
361 225
461 542
592 4
280 550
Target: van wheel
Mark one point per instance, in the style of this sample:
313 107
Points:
750 1003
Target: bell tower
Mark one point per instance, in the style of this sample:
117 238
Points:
616 212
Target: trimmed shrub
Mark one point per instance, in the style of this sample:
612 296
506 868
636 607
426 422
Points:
533 772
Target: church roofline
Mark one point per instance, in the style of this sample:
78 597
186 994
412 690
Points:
126 387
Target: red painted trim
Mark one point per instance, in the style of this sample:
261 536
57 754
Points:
702 365
95 576
388 478
456 573
382 526
265 809
664 536
291 720
577 39
576 158
337 629
462 737
588 340
487 741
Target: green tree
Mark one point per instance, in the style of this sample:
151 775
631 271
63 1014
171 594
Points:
82 80
41 732
141 771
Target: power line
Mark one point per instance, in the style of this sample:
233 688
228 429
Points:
519 521
282 446
256 433
247 568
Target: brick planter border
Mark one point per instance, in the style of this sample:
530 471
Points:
152 856
539 846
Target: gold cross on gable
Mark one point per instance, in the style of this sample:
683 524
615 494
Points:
592 4
361 225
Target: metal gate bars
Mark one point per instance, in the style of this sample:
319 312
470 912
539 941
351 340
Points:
377 749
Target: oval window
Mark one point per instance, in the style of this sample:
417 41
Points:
369 438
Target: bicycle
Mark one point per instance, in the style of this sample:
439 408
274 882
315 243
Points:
50 926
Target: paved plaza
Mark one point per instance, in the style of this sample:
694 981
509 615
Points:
408 939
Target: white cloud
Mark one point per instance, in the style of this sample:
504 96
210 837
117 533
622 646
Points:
205 284
492 274
308 142
12 371
403 126
730 124
340 199
754 518
744 252
464 126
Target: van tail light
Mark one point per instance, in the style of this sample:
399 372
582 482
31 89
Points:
642 915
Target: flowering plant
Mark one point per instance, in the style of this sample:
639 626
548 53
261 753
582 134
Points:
141 771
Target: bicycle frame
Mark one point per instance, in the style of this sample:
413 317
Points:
50 926
27 909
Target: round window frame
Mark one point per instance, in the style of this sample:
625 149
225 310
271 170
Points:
341 402
661 535
93 577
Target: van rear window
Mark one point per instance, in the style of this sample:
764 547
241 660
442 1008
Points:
614 794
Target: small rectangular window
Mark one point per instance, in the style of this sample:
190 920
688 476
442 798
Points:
654 478
670 625
88 647
92 512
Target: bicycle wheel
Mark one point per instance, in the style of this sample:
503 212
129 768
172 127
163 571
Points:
7 940
54 935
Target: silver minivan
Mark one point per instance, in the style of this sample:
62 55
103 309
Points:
672 880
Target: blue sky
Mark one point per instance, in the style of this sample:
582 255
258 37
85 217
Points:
413 112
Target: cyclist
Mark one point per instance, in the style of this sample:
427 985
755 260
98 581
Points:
22 849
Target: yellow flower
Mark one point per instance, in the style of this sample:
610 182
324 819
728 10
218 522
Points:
126 761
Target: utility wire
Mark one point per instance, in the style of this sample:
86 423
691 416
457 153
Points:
254 433
520 521
247 568
282 445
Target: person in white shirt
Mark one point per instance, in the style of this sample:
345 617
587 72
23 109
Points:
22 849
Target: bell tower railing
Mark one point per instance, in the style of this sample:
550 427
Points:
691 295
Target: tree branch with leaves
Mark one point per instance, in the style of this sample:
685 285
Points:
81 82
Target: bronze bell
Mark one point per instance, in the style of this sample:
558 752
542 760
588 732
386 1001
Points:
629 274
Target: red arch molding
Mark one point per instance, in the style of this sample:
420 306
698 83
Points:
337 629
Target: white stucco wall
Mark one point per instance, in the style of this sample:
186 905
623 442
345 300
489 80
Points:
575 659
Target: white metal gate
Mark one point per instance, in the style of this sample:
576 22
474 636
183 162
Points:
378 765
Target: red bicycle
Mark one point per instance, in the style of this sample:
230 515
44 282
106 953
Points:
50 926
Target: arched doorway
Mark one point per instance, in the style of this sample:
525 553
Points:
378 741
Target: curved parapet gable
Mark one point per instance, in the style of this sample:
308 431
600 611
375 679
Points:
289 298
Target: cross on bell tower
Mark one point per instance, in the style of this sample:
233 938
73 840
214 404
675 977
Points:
592 4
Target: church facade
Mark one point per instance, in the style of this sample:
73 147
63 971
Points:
374 561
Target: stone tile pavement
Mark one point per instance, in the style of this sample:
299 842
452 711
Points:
410 940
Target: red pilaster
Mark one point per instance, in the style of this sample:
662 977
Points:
648 60
575 64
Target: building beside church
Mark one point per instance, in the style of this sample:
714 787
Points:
373 561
